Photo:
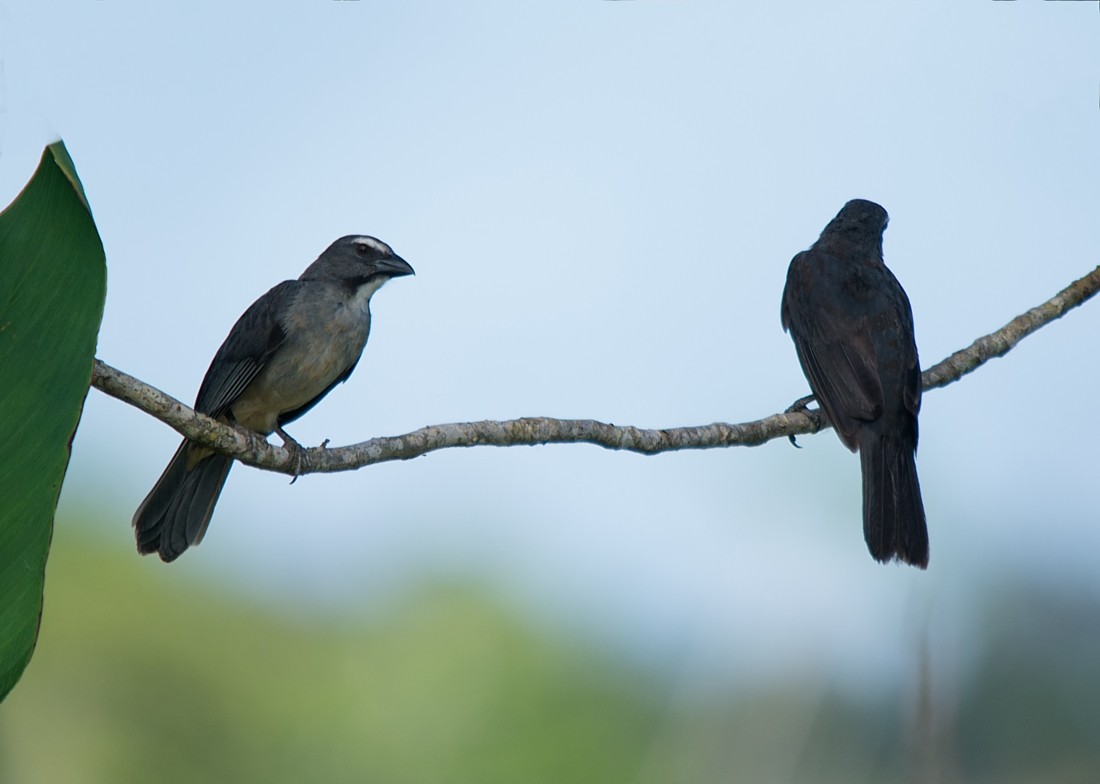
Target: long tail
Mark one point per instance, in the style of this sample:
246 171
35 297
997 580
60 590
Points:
177 510
893 514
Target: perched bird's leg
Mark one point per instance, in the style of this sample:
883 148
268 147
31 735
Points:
798 406
296 451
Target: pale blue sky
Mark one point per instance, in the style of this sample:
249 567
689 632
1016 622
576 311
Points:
600 200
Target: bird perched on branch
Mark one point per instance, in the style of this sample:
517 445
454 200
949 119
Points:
288 350
852 328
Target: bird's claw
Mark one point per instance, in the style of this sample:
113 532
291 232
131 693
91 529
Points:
296 450
798 407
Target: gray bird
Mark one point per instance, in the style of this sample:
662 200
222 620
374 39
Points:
853 331
288 350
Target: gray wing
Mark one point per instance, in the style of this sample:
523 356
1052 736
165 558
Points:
250 344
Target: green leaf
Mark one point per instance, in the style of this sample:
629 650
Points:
53 281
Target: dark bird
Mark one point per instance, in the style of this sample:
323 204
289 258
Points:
288 350
852 327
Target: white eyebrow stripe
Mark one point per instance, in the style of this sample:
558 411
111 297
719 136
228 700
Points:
375 244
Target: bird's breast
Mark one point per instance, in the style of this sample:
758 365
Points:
326 331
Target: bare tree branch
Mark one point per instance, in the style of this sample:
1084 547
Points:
254 450
999 343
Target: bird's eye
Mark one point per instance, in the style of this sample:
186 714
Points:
362 249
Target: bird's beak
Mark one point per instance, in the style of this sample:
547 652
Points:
395 267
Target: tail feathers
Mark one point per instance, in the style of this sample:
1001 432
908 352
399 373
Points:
893 514
177 510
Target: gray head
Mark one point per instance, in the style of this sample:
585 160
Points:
357 260
858 219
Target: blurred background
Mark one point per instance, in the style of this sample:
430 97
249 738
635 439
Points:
600 200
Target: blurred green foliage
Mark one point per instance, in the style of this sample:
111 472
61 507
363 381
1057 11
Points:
144 675
143 679
1031 711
